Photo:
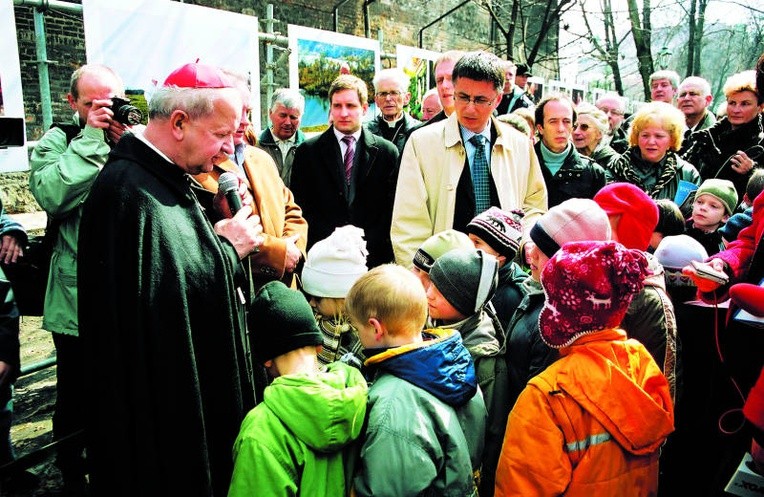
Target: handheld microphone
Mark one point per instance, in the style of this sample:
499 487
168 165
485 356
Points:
228 185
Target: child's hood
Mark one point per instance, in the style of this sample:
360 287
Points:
440 365
325 411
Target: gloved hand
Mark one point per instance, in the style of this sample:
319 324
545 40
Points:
748 297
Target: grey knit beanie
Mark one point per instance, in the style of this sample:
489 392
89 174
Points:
467 278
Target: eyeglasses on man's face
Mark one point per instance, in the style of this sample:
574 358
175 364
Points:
465 99
385 94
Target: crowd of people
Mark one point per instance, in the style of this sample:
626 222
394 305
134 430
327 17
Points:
499 299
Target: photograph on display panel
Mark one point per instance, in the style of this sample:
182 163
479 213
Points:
317 57
537 88
578 94
418 64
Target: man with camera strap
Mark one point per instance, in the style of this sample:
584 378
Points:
63 166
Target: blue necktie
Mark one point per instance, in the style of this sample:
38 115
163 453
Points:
480 181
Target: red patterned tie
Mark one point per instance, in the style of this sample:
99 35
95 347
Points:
349 154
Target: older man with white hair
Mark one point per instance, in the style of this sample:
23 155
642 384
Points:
614 106
284 135
391 94
694 99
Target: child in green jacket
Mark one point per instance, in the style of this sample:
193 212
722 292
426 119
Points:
299 440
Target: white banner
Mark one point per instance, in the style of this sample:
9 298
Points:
145 40
12 158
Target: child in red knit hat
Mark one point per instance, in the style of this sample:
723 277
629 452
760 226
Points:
594 421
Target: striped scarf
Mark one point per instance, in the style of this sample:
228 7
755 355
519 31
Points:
621 169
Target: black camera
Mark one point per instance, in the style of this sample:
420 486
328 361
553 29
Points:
126 113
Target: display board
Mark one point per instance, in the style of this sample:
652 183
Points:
317 57
145 40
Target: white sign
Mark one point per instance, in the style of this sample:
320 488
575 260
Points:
145 40
12 158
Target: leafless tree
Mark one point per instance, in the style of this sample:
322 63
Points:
697 18
607 50
535 22
641 28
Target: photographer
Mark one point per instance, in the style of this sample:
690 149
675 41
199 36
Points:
63 166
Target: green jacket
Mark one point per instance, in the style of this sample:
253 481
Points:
298 441
426 423
60 180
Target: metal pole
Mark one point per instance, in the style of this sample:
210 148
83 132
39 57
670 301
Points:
335 14
50 4
269 84
42 68
366 20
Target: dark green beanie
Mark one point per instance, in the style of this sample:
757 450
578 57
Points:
280 320
467 278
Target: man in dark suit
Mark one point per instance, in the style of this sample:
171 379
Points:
346 175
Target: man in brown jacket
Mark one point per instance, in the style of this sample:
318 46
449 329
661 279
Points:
285 230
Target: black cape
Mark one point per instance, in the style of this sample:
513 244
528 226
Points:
161 326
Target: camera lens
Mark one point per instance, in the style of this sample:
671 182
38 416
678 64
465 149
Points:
126 113
130 115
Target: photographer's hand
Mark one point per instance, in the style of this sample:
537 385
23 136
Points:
115 131
100 114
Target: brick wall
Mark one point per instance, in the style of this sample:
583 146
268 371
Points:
398 21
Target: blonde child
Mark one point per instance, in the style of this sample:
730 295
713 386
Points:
426 417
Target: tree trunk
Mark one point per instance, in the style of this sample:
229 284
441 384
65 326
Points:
551 18
512 25
698 41
640 30
691 39
612 43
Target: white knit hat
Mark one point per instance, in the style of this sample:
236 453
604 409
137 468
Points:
335 263
675 252
574 220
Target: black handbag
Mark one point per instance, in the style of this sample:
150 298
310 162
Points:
29 274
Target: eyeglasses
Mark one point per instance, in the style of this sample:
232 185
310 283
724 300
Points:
478 101
581 126
385 94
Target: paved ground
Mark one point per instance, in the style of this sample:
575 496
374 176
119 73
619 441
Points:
34 399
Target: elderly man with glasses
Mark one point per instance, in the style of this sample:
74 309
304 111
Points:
391 94
614 106
456 168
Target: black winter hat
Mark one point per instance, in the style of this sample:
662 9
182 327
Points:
281 320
